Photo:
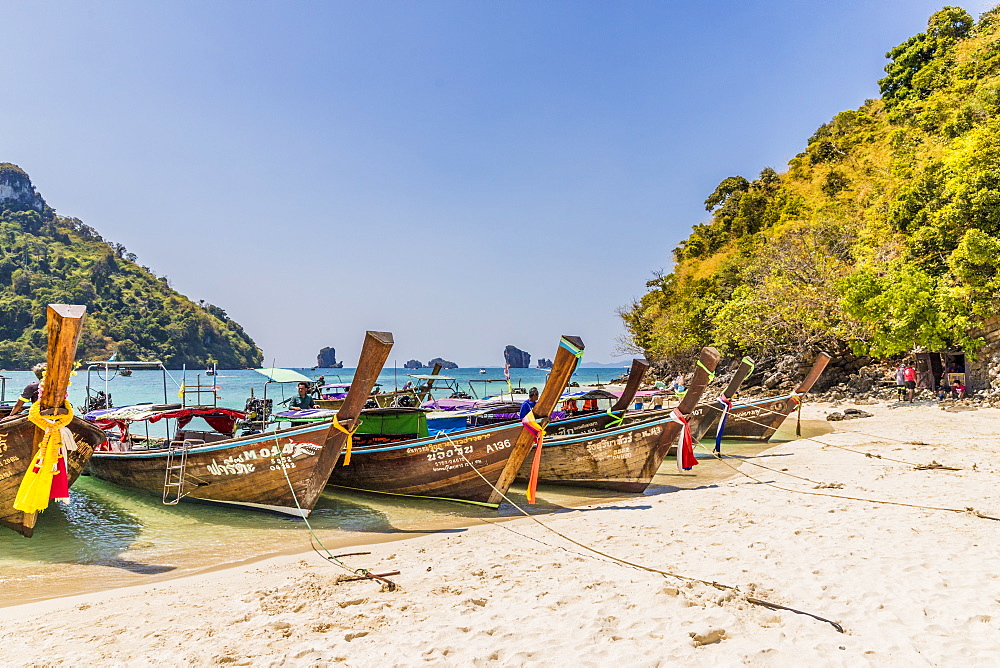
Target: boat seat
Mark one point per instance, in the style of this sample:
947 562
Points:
204 436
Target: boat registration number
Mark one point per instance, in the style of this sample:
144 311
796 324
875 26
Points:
450 452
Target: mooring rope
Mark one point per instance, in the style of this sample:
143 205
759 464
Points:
330 557
971 510
859 433
711 583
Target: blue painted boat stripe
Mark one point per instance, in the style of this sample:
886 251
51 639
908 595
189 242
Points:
222 445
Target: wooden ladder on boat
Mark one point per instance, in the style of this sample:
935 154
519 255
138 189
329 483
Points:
173 476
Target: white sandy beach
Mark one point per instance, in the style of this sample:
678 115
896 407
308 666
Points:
910 586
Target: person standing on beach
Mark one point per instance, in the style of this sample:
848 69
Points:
901 381
910 380
528 405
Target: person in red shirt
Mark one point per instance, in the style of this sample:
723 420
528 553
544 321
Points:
910 381
957 390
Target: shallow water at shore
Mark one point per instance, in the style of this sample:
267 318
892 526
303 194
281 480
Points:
107 537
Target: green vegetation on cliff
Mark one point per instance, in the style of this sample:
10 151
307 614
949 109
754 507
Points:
883 234
47 259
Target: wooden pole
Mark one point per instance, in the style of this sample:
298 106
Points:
563 367
65 324
635 375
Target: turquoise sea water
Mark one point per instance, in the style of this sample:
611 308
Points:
235 385
109 537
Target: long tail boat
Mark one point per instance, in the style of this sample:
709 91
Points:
626 457
705 416
473 466
20 438
282 471
758 420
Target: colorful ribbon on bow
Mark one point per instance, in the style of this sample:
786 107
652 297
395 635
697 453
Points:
685 444
538 432
578 352
727 406
615 419
350 439
47 478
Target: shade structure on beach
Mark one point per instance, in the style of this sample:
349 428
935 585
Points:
284 375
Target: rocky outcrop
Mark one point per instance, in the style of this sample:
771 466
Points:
544 363
445 364
327 359
413 364
516 358
16 191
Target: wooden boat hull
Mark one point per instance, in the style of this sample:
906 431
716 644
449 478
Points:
758 420
752 421
248 471
433 467
472 466
17 447
622 459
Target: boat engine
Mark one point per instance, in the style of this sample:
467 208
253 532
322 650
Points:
97 401
258 415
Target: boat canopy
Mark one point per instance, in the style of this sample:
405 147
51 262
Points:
284 376
589 394
155 364
222 420
429 376
307 415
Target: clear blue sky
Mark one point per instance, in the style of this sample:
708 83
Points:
464 174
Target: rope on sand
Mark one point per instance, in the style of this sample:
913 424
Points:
711 583
970 510
920 467
361 573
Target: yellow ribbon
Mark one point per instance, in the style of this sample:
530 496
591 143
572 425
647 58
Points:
350 439
36 485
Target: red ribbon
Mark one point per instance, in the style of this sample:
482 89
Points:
538 431
685 445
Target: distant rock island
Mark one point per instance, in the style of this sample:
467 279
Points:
413 364
445 364
544 363
516 358
327 359
45 257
